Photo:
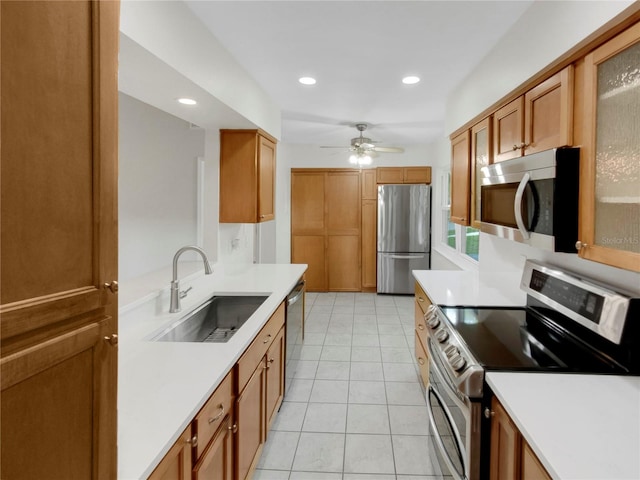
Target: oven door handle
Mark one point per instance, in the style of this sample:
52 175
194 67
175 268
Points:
436 436
442 375
517 206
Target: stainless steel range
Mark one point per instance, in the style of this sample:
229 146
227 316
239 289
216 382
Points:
569 324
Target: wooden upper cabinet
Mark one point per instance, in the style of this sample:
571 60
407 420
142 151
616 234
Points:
539 120
460 175
58 224
247 176
548 113
508 131
609 227
403 175
481 156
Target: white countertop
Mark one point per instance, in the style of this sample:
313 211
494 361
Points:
162 385
463 287
579 426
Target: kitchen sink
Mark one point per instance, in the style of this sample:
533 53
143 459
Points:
216 320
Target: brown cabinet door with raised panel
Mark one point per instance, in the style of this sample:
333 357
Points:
307 203
275 376
310 249
508 131
266 179
176 464
250 417
548 108
369 184
460 173
343 203
58 214
505 445
217 460
417 175
369 239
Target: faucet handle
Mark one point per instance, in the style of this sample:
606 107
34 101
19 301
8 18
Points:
183 293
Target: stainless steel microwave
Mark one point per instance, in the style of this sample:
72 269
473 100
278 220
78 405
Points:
533 199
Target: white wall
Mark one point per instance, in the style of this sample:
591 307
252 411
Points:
156 186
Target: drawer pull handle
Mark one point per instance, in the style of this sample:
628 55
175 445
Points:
420 326
193 441
421 360
266 340
112 339
233 428
420 299
217 417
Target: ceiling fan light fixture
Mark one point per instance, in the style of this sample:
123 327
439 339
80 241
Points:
307 80
410 80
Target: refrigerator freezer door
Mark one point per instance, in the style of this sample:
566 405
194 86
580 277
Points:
403 218
394 271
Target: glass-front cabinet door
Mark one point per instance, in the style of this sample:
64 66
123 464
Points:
480 157
610 177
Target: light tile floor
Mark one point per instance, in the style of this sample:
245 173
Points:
355 408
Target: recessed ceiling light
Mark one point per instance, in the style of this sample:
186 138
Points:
307 80
410 80
187 101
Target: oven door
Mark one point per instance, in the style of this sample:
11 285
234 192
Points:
449 420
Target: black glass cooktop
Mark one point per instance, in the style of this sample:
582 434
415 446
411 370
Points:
521 339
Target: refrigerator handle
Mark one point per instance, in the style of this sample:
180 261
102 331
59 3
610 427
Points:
405 257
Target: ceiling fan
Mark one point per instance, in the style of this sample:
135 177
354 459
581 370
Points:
363 148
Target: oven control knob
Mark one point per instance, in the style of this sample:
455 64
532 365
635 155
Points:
433 321
457 362
451 350
442 335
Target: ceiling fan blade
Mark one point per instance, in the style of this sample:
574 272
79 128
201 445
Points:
332 146
387 149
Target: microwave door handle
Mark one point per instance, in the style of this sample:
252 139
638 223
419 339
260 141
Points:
517 206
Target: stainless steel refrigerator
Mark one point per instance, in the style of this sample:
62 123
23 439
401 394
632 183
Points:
404 235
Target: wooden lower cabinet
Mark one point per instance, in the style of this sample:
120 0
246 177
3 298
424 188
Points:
422 301
369 244
275 377
511 457
217 461
250 411
176 464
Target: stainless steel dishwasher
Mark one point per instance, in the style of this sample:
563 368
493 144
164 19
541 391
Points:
294 329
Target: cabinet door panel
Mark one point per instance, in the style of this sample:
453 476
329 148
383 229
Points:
266 179
369 184
610 156
417 175
505 445
176 464
343 260
275 376
307 203
250 411
58 214
390 175
460 173
217 461
532 469
310 250
508 131
343 203
549 113
481 154
369 253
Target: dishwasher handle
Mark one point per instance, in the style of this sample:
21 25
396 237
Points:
299 288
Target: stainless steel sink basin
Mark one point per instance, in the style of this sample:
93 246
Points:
216 320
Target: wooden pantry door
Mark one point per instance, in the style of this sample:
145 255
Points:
58 271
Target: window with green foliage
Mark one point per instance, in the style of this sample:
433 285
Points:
448 227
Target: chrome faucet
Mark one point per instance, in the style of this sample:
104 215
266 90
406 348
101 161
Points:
176 294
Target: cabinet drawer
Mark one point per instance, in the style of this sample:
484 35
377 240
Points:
258 348
423 362
213 413
421 298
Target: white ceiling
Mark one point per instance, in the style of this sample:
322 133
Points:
359 51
